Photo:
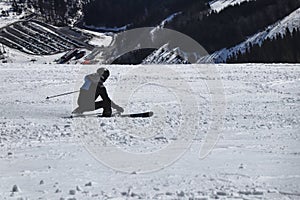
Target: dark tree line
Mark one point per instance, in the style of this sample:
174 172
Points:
57 12
138 13
134 57
280 49
17 6
234 24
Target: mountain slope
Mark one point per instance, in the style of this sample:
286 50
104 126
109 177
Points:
234 24
165 55
218 5
291 21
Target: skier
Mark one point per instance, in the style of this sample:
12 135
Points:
93 88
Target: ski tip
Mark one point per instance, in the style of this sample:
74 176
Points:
68 117
151 114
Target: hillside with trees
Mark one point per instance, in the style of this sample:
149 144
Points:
282 48
234 24
56 12
137 13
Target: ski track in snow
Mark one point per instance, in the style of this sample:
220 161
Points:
256 157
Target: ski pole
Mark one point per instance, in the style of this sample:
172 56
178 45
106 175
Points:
67 93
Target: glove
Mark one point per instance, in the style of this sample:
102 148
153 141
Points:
120 109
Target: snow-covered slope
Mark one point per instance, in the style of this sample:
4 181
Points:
99 39
93 39
218 5
256 157
11 18
291 21
107 29
165 55
168 19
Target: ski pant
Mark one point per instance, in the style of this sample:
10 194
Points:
86 100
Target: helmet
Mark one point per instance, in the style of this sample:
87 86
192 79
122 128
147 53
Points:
104 73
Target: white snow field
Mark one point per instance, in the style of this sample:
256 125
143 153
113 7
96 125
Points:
46 156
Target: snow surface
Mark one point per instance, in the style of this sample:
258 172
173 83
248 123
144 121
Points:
257 155
164 55
218 5
291 21
103 28
99 39
16 56
168 19
4 21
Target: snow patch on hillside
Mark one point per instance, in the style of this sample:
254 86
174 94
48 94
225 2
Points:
99 39
11 18
165 55
218 5
107 29
291 21
169 19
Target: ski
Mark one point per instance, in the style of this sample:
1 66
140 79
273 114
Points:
136 115
132 115
82 115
